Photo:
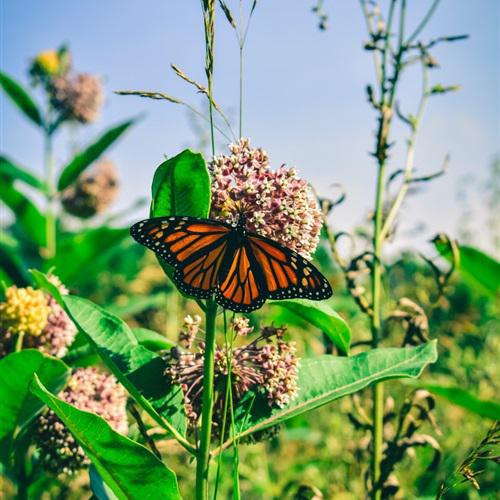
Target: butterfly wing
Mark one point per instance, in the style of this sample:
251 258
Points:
287 274
262 269
196 248
240 289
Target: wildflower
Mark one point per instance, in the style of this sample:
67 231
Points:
78 97
268 363
190 330
93 192
25 311
278 204
89 390
39 318
241 326
50 64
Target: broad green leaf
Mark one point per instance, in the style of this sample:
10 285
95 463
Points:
322 316
25 211
181 186
14 172
475 266
140 370
463 398
326 378
20 97
18 405
127 467
91 153
152 340
89 251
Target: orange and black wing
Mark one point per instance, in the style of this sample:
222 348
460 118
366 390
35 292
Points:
195 248
259 268
240 289
286 274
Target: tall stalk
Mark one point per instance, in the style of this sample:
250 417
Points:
50 217
203 453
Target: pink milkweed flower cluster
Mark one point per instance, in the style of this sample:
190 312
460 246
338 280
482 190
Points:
90 390
277 203
268 364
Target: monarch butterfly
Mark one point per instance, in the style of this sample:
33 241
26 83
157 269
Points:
241 268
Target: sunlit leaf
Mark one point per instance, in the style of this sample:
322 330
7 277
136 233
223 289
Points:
476 266
18 405
25 211
322 316
465 399
326 378
20 97
140 370
91 153
181 186
128 468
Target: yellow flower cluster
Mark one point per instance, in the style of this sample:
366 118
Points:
25 311
48 61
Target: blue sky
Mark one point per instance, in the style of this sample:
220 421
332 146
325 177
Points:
304 93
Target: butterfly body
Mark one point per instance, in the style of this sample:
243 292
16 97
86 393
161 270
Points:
240 268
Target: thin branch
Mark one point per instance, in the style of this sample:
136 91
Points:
144 432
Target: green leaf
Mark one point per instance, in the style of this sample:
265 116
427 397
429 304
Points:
20 97
326 378
463 398
89 251
322 316
25 211
476 266
10 170
181 186
139 370
152 340
18 405
127 467
91 153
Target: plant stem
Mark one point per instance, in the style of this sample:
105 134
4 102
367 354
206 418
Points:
203 454
378 389
50 220
19 342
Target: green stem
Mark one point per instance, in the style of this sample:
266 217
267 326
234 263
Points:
50 220
378 389
19 342
203 454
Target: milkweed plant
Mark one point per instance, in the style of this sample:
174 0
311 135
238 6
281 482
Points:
89 391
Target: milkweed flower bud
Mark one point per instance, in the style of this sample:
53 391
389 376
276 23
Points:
190 330
93 192
277 204
241 326
78 97
89 390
